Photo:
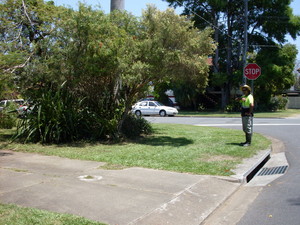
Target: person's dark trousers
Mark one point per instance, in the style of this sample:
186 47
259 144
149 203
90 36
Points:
247 122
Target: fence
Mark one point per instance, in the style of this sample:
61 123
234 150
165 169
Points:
294 102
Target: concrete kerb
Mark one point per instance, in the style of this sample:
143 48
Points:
250 165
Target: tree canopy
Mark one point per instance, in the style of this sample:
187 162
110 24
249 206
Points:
84 69
278 64
268 24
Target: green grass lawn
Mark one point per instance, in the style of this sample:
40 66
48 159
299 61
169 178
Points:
12 214
180 148
277 114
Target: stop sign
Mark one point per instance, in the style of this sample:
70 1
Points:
252 71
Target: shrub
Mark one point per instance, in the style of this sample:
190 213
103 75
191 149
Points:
278 103
134 126
7 121
275 103
8 117
233 106
61 116
56 117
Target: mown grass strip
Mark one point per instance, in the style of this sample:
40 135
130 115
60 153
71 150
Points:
277 114
180 148
12 214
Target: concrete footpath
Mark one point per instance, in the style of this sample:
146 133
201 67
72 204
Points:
128 196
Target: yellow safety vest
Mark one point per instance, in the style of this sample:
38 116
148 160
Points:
249 100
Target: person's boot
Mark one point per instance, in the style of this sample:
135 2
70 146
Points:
242 143
248 140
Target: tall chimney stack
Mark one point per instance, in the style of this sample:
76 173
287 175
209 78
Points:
117 5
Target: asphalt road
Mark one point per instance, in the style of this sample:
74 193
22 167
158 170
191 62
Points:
279 202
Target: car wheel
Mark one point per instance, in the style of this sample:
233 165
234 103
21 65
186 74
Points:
162 113
138 113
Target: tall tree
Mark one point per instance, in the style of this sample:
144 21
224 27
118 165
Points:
168 48
116 57
277 76
269 22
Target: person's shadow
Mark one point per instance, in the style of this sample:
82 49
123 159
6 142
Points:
235 144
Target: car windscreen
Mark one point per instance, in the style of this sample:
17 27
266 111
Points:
143 104
19 102
159 104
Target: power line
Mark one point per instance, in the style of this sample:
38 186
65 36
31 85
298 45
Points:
217 28
267 46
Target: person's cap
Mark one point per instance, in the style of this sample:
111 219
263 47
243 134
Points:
245 86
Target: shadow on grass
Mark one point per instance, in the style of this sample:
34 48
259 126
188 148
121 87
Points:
147 140
3 146
165 140
86 143
5 137
235 144
77 144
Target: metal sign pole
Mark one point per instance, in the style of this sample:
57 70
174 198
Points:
245 39
252 88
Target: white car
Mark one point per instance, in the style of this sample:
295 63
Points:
6 103
21 107
153 108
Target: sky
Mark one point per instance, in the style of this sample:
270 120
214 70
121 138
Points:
133 6
136 7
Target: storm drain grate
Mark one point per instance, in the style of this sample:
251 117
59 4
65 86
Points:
272 171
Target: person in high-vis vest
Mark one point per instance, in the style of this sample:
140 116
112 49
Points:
247 103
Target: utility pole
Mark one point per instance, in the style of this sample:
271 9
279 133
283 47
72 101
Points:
117 5
245 38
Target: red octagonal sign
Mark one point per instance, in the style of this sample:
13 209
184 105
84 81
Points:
252 71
